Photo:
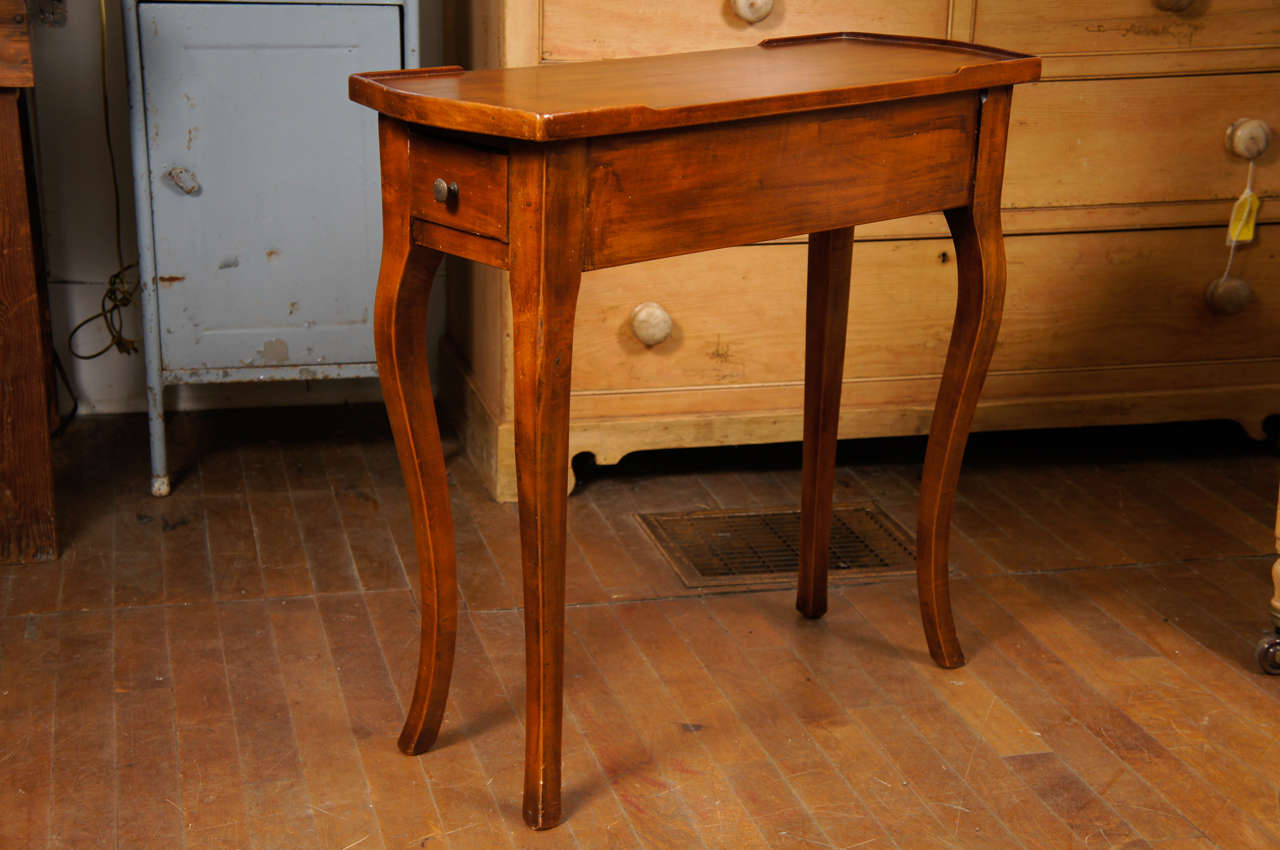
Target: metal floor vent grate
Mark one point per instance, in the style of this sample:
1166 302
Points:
761 547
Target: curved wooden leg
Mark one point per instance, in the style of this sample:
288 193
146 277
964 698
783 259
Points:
979 302
399 326
546 268
826 317
980 261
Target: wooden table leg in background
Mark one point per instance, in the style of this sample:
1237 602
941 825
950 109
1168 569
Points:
826 316
27 526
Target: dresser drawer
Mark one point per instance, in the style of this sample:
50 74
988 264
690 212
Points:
1075 302
1125 26
602 29
1136 141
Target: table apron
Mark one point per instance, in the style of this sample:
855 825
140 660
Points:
694 189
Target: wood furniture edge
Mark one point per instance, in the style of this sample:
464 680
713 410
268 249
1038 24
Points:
369 90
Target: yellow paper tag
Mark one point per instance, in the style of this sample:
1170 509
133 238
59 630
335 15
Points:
1244 215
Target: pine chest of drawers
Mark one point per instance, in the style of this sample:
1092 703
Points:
1117 190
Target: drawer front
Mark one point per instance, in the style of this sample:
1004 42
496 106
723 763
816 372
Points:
605 29
475 183
1125 26
1075 302
1137 141
756 180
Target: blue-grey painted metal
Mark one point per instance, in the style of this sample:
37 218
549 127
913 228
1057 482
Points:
255 180
146 256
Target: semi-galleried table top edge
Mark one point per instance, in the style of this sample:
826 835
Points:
607 97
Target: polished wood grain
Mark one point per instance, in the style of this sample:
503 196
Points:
588 99
480 204
980 260
677 193
400 314
546 268
808 134
826 311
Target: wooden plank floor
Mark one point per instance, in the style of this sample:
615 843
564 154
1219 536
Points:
229 667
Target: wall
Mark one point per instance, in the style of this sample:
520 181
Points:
78 222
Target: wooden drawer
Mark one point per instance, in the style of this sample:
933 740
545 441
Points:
1138 141
1076 303
631 216
479 204
602 29
1125 26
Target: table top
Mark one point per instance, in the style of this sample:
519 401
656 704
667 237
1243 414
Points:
585 99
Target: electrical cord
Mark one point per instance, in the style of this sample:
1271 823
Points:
120 291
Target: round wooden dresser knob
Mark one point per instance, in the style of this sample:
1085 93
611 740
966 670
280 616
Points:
1173 5
1248 137
752 11
1227 296
650 323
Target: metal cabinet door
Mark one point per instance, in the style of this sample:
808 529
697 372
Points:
264 180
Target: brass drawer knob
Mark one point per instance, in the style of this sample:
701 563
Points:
752 11
1227 296
651 323
444 192
1248 137
1173 5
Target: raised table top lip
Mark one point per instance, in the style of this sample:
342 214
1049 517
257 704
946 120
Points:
605 97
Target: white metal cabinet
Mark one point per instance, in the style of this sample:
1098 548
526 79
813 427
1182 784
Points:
257 189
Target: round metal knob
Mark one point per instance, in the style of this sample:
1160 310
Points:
1248 137
1227 296
651 323
1173 5
752 11
444 192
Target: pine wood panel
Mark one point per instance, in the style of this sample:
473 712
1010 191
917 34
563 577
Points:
1125 26
1090 142
605 29
1133 299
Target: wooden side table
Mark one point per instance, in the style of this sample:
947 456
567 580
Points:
554 170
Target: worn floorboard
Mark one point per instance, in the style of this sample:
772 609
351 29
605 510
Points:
228 667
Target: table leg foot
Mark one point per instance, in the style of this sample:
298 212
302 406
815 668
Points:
826 317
